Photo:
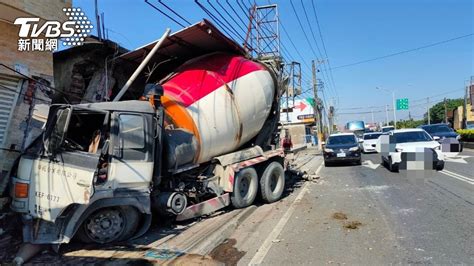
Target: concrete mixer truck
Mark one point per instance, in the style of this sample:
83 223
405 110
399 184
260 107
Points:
200 139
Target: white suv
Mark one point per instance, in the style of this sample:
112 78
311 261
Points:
410 149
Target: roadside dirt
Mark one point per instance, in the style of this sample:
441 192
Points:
348 224
227 253
352 225
339 216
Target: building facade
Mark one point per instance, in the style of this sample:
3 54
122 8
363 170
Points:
26 79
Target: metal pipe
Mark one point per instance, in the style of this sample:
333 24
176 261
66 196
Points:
141 66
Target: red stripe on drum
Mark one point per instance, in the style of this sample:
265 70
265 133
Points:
199 77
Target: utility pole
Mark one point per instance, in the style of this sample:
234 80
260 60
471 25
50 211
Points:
372 112
445 111
464 108
394 110
316 107
428 106
386 115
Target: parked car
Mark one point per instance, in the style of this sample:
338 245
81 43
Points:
440 132
342 147
412 141
387 129
369 141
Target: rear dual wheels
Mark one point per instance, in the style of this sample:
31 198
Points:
246 182
245 188
272 182
109 225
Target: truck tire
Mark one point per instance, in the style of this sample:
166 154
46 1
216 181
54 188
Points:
109 225
245 188
272 182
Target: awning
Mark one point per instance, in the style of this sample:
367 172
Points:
195 40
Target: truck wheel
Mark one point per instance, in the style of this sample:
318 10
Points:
272 182
245 188
109 225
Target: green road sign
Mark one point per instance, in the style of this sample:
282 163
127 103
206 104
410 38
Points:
402 104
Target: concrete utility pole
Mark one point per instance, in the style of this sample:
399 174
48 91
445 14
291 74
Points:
428 106
394 105
386 115
316 108
445 111
464 108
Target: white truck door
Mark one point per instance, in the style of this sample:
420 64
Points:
132 161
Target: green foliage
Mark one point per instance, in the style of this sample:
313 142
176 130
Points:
437 110
466 134
409 123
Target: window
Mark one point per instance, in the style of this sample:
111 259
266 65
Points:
411 136
342 140
372 136
132 131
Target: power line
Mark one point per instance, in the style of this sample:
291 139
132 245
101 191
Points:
174 12
302 29
324 48
416 100
163 13
216 20
316 43
403 52
232 17
226 21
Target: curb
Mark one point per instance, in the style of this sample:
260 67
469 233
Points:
469 145
209 242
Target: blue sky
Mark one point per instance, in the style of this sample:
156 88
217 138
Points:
353 31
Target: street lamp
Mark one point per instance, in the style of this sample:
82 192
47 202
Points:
394 107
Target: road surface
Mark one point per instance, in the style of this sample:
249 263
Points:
367 215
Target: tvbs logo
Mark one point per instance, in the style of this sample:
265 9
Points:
35 35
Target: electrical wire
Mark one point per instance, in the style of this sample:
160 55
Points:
174 12
324 48
403 52
163 13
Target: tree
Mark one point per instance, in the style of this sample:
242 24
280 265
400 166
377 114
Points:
437 110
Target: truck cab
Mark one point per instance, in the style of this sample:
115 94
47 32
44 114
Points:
89 157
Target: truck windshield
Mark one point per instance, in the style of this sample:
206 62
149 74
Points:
82 130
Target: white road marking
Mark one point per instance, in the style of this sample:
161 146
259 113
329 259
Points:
267 244
457 159
370 164
458 176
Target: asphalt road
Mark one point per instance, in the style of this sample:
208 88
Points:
368 215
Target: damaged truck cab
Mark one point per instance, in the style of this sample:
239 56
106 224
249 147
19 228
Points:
90 157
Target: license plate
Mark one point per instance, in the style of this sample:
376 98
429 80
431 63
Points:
342 154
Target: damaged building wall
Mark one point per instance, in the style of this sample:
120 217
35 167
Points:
19 96
91 73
